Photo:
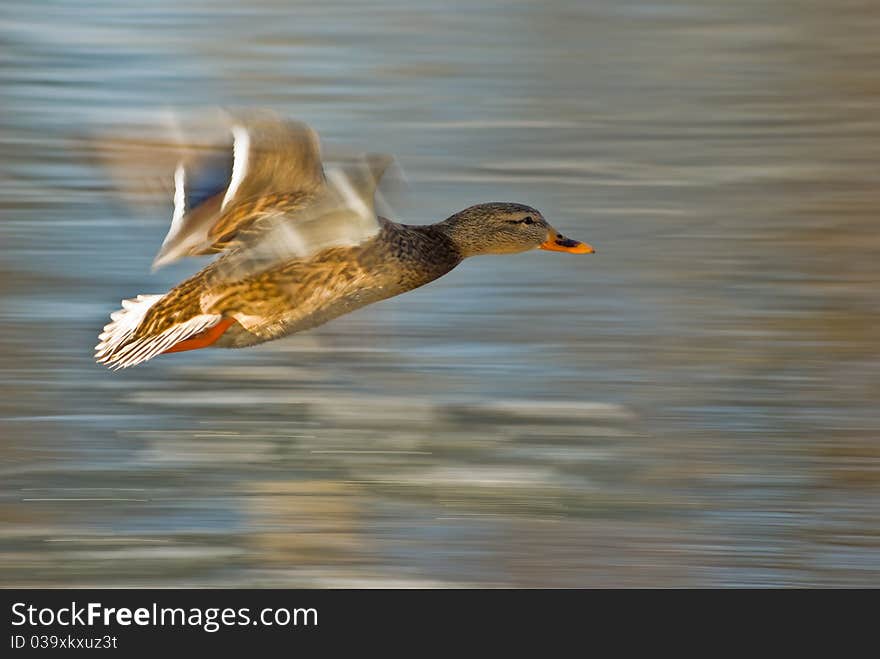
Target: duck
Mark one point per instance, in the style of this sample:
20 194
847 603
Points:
298 244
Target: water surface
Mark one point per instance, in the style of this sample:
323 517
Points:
696 405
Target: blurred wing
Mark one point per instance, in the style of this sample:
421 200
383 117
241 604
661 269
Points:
251 186
340 214
268 165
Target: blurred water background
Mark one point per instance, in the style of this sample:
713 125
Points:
696 405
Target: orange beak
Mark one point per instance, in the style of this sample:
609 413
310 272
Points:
556 242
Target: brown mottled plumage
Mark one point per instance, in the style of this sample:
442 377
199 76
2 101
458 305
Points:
281 273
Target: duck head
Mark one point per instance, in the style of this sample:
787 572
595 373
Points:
506 228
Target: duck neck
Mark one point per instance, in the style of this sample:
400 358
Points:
460 241
423 251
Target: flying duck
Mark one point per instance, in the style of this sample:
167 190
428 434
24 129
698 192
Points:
299 245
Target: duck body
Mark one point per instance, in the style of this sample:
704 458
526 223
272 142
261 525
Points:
299 247
300 294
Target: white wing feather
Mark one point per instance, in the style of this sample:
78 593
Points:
115 348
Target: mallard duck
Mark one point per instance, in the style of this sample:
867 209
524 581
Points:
299 246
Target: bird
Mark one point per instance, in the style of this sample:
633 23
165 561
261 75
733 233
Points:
299 244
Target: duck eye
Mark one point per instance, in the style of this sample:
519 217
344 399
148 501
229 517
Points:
528 220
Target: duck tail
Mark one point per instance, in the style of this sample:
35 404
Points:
128 341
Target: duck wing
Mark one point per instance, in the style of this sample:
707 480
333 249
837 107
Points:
253 185
266 163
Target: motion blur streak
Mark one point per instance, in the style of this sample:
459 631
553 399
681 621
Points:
695 406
